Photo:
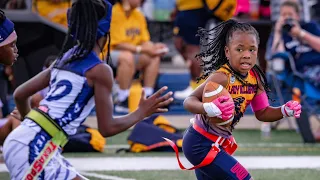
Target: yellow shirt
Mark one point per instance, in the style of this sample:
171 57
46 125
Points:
54 12
184 5
242 94
132 30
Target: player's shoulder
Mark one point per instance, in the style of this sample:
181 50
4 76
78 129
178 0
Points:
101 72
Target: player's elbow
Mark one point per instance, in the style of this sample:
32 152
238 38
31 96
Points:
260 116
107 132
18 95
187 103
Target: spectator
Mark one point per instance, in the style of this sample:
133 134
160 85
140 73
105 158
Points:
132 50
300 39
189 16
53 10
13 4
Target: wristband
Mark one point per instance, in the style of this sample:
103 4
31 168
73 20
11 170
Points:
286 111
211 109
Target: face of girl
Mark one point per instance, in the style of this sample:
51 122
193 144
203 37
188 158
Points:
242 51
9 53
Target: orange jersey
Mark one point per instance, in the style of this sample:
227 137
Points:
242 94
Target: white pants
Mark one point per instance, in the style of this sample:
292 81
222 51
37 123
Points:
23 145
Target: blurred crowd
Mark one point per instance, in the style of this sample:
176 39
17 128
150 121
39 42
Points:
292 48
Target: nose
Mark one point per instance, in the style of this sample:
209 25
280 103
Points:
246 55
15 49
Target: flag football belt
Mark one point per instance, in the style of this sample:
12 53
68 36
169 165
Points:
59 138
229 145
49 126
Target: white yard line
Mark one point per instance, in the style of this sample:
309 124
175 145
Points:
170 163
103 176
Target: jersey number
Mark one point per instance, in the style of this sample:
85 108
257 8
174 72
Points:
61 89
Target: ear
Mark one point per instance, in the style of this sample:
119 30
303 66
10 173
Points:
227 52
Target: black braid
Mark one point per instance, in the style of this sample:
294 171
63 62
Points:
2 16
213 43
84 16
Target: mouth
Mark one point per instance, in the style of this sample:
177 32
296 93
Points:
245 65
16 56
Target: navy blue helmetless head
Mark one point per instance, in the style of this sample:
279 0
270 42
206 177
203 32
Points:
7 33
104 23
88 22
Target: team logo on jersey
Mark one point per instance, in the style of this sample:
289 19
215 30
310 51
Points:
232 79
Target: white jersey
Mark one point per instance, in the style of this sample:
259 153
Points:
68 102
70 99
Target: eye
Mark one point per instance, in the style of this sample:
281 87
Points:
252 50
239 50
13 44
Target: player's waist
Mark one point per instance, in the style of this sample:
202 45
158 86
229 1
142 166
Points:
228 144
212 128
48 125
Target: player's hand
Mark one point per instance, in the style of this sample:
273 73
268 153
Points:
221 107
16 114
291 108
156 103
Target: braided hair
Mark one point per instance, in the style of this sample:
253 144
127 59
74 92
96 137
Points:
84 17
2 16
213 56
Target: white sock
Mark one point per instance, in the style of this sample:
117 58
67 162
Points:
123 94
148 91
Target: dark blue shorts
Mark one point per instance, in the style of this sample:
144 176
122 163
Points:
188 22
224 167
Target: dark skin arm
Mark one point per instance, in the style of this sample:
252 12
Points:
193 103
101 78
268 114
23 93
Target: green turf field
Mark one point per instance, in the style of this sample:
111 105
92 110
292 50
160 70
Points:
271 174
281 143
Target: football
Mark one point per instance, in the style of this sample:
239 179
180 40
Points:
211 92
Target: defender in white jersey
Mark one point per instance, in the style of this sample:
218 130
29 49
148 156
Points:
77 81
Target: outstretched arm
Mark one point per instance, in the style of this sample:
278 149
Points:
266 113
101 77
23 93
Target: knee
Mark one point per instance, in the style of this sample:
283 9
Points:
126 58
178 43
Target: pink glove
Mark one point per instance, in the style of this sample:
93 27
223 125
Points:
291 108
220 107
